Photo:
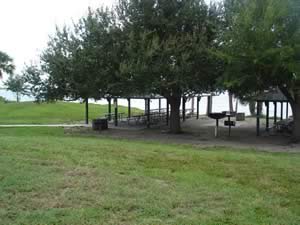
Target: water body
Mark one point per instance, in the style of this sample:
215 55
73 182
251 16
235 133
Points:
220 103
10 96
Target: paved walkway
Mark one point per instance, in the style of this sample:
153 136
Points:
44 125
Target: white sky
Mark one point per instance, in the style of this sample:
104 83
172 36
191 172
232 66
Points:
25 25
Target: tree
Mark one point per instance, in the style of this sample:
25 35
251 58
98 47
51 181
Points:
168 49
6 64
16 84
262 48
83 61
36 85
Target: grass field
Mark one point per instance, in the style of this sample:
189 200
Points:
59 112
47 177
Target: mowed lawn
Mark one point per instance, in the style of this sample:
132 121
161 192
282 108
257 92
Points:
47 177
50 113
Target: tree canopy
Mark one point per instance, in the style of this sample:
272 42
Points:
16 84
168 49
83 61
6 64
262 48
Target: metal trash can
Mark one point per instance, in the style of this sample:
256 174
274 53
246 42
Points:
100 124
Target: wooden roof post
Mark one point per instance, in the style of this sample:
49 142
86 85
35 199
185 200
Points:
268 115
198 107
281 111
183 108
168 109
275 112
109 108
116 111
87 111
129 107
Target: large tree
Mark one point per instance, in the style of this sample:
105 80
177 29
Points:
262 46
169 45
83 61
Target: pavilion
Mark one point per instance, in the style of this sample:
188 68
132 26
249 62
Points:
148 98
276 98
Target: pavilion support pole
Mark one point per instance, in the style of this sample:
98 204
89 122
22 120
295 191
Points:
168 112
129 107
109 108
146 108
268 116
275 112
258 119
86 111
287 110
159 106
281 111
148 112
116 111
198 107
193 105
183 108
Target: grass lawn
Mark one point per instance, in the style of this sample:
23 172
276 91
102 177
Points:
47 177
59 112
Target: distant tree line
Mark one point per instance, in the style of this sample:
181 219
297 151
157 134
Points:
175 48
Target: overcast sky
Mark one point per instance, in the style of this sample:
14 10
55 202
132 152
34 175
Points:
26 24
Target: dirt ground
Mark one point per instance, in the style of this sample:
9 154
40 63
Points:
200 133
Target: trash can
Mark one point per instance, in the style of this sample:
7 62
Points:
100 124
240 117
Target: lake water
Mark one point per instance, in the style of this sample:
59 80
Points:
220 103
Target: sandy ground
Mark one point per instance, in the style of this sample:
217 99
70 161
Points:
200 133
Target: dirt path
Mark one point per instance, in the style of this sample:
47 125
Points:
200 133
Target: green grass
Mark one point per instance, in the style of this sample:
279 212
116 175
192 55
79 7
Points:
52 113
47 177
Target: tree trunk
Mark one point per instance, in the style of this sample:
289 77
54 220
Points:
261 107
193 105
209 104
252 108
230 101
175 102
18 97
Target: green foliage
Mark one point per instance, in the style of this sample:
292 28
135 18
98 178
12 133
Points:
51 178
17 84
263 46
168 47
6 64
36 84
83 61
3 100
